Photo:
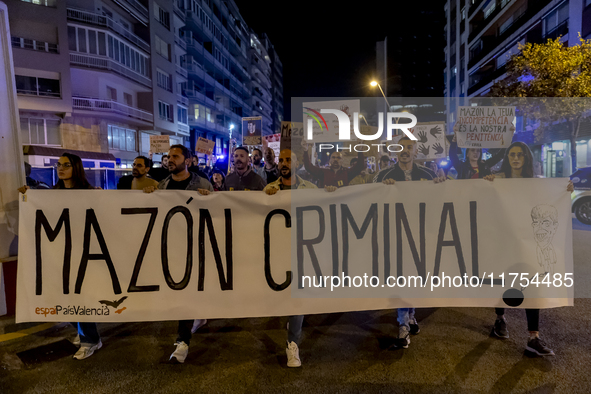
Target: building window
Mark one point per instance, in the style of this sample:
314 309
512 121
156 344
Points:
46 3
162 16
556 18
164 111
208 115
111 93
162 48
490 8
164 80
34 86
121 138
128 98
25 43
196 109
182 115
40 132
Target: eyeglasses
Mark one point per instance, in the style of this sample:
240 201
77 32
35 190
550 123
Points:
518 155
65 165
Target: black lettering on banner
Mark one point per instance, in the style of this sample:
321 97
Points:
448 209
41 220
402 219
386 241
226 282
133 287
164 248
91 221
474 238
272 284
308 243
334 238
347 218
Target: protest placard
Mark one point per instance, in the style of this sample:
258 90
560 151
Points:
485 127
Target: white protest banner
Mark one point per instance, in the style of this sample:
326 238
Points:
205 146
159 143
325 127
485 127
98 256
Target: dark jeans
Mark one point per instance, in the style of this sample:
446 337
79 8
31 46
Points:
88 333
533 318
185 331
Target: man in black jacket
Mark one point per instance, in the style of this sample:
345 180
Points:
406 170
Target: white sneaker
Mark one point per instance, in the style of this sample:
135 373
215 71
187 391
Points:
76 340
180 354
86 351
198 323
403 337
293 355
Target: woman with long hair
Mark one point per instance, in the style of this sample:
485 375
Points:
518 163
473 167
70 172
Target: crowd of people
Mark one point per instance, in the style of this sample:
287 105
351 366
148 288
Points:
180 171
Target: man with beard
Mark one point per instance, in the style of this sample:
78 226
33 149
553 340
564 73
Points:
289 181
243 177
271 169
256 158
159 173
139 178
336 175
179 159
406 170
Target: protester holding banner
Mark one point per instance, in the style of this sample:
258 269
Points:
289 181
139 175
473 167
518 163
406 170
179 160
243 177
336 175
70 172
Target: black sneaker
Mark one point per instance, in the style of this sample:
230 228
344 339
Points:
500 329
414 326
538 347
403 339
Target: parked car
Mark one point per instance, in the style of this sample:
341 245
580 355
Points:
581 200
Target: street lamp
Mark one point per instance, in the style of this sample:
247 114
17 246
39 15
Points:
374 84
363 117
231 128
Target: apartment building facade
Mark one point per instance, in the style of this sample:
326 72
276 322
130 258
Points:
482 35
100 76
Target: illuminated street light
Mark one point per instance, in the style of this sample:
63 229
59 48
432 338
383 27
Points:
374 84
363 117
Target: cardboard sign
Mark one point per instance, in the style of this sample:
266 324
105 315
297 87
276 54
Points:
485 127
431 144
159 143
205 146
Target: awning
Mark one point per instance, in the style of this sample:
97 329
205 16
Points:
35 150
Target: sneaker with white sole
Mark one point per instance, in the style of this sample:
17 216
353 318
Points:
293 355
180 354
538 347
86 351
403 337
76 341
197 324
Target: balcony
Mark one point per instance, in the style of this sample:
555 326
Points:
195 69
183 128
182 99
135 8
91 104
178 10
195 95
106 63
104 21
181 71
180 42
486 78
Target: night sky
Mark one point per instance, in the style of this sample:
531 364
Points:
328 48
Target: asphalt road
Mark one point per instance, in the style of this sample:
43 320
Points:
341 352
